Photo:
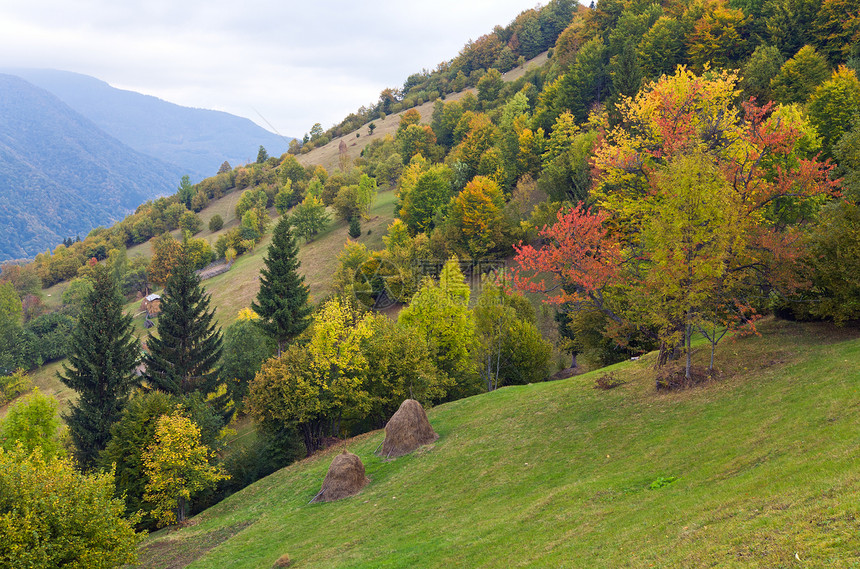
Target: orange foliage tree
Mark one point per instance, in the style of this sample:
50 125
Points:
697 206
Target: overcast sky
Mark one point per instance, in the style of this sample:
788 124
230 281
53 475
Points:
285 65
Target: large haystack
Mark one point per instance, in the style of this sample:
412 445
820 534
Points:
407 430
344 479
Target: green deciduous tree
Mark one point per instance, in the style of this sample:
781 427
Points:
282 301
423 191
251 200
799 76
10 303
510 349
135 431
53 516
832 260
309 218
400 366
32 422
347 204
216 223
103 355
489 87
189 221
847 153
246 347
662 47
440 312
583 84
186 191
834 106
759 70
287 197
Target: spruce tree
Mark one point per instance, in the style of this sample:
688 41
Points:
355 227
282 302
183 357
103 355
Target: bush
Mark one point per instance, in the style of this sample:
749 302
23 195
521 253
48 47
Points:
11 386
190 221
216 223
53 516
607 380
52 333
33 424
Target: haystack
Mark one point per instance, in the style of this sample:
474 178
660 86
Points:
407 430
344 479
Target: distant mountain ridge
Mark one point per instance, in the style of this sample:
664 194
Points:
198 141
60 175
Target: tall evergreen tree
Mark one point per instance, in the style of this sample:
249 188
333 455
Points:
103 356
183 357
282 302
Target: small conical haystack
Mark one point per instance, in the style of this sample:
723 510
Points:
407 430
345 478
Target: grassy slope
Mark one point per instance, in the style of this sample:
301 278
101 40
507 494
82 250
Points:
236 288
558 474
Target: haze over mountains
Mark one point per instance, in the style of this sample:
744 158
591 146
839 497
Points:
76 153
60 175
196 140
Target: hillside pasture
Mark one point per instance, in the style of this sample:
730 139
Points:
756 469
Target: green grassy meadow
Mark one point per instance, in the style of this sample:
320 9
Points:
559 474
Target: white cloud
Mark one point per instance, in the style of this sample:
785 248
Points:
293 63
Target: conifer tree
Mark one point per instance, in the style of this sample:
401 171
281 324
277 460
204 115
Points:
355 227
182 359
282 302
103 355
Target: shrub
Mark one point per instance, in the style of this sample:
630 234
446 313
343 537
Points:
11 386
32 423
216 223
55 516
190 221
607 380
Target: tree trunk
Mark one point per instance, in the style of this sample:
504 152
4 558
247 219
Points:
180 510
688 333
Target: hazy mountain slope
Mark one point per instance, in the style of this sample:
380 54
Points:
196 140
60 175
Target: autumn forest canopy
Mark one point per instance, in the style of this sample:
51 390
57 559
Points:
673 173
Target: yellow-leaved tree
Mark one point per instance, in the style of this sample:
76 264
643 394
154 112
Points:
314 387
177 467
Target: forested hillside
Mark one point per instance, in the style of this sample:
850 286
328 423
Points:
664 180
61 176
196 141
